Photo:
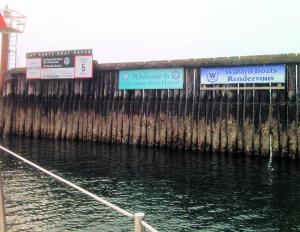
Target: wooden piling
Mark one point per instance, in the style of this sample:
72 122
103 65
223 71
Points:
144 114
126 117
37 113
95 110
163 118
195 105
181 116
157 117
275 123
69 113
175 116
89 116
223 118
228 118
257 123
297 73
188 111
120 115
65 106
109 113
58 116
216 121
2 207
240 119
136 111
114 108
202 119
2 114
232 115
265 122
169 110
283 127
291 111
248 126
101 105
8 108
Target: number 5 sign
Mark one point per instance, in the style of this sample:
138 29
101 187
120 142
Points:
84 66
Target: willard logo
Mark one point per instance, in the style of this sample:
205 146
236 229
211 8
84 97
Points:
212 76
125 77
175 75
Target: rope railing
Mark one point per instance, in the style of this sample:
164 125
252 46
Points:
148 227
137 217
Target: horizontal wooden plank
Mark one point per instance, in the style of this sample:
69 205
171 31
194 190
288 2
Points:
243 88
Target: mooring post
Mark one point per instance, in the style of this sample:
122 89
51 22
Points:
2 208
138 217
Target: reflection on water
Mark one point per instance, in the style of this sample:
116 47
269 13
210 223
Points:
178 191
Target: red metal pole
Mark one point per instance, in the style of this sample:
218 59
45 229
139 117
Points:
4 59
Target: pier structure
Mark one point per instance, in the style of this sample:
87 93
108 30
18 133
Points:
248 118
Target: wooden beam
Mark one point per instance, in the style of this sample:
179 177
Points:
243 88
2 208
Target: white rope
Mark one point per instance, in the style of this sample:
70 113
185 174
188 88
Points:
148 227
105 202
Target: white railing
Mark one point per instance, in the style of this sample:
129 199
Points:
139 224
148 227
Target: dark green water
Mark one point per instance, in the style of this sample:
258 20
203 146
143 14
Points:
178 191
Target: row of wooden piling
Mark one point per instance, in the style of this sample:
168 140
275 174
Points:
248 121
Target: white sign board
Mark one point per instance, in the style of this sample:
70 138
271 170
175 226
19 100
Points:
83 66
60 64
34 66
243 74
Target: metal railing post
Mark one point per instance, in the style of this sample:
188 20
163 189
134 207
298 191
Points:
138 217
2 208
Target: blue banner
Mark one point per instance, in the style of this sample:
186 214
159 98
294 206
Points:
243 74
167 78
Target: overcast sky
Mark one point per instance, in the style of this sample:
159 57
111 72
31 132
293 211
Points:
139 30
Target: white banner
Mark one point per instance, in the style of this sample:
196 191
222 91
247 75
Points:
243 74
60 64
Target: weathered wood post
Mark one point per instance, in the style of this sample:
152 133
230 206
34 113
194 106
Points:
2 208
138 217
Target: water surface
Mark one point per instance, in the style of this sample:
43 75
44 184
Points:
178 191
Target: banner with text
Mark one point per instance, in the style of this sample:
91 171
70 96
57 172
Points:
166 78
59 64
243 74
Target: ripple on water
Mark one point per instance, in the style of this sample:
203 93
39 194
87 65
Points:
178 191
